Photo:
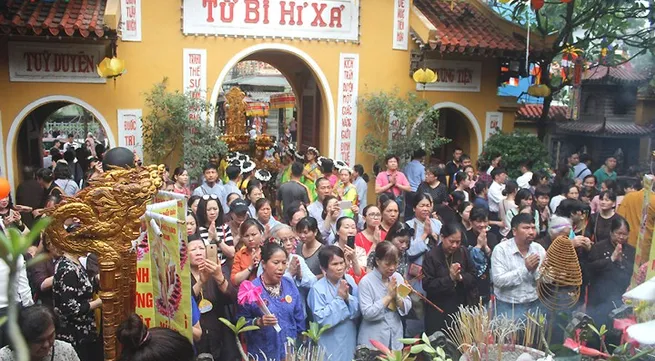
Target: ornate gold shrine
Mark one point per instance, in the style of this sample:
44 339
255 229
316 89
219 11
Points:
237 137
108 212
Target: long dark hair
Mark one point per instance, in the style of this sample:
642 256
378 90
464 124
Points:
201 213
155 344
310 224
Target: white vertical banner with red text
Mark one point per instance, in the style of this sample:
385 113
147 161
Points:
195 76
130 133
347 108
131 20
400 24
493 124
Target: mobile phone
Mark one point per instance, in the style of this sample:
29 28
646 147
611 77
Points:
351 242
345 205
212 252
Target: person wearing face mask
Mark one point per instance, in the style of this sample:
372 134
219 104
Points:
334 301
448 278
481 243
283 301
610 267
381 306
213 293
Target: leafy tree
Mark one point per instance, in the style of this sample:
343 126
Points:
589 25
173 125
410 121
516 148
13 244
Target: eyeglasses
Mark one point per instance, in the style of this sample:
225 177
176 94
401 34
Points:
374 215
288 239
207 197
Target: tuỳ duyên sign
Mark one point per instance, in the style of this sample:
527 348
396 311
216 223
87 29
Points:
55 63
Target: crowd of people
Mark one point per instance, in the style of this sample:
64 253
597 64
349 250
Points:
321 252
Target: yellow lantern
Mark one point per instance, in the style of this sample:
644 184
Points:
424 76
110 68
539 90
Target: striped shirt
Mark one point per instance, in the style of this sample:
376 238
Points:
223 234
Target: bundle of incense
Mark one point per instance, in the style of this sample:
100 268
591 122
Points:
405 289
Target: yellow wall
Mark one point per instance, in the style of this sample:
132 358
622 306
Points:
159 55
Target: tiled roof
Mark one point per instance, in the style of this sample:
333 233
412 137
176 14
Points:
467 29
620 74
607 128
556 113
72 18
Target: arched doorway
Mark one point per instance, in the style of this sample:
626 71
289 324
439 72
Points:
457 123
314 101
27 141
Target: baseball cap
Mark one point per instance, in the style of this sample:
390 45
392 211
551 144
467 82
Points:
239 206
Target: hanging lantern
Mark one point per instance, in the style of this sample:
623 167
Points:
111 68
537 4
569 56
539 90
566 1
424 76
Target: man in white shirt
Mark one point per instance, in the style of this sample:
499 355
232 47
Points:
526 175
211 185
495 194
514 269
315 209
